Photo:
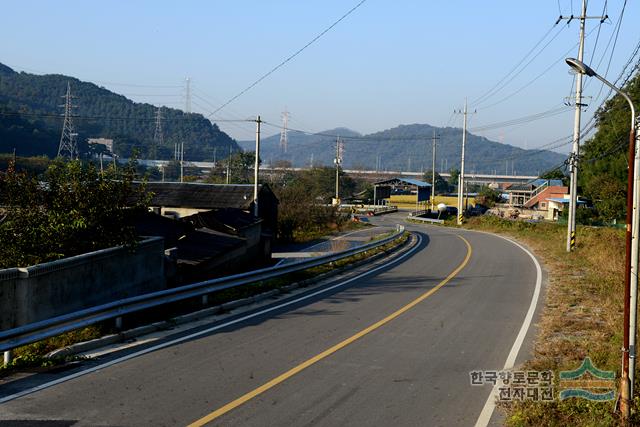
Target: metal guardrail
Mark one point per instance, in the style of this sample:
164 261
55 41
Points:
432 220
30 333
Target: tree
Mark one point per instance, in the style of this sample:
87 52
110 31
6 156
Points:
488 197
603 175
240 166
37 131
555 174
441 186
453 179
304 197
70 210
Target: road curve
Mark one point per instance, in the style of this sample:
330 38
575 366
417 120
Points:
411 370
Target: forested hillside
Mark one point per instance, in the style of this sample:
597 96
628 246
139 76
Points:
408 147
31 119
603 175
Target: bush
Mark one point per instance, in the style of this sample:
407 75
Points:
73 209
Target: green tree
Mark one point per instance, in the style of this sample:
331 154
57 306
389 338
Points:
555 174
304 211
240 166
442 186
70 210
603 177
453 179
488 197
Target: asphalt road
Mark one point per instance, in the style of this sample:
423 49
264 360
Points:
411 370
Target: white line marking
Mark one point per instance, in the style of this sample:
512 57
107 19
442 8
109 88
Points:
490 404
206 331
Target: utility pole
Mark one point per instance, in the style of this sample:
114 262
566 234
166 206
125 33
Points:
461 177
229 166
575 149
434 138
338 161
182 161
68 147
256 168
158 138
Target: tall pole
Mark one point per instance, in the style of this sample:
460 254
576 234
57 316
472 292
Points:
575 150
229 166
337 161
464 143
433 170
631 251
256 168
187 107
182 161
634 139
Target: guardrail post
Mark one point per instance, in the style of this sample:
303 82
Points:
205 299
119 323
8 357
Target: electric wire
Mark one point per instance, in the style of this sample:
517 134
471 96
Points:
546 70
499 86
281 64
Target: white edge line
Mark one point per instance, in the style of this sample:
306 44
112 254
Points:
490 404
206 331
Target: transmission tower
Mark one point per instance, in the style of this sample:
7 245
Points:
187 107
284 141
158 137
68 147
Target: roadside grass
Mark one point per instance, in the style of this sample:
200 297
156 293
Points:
33 356
582 316
308 235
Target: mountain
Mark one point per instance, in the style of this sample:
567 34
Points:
30 105
406 147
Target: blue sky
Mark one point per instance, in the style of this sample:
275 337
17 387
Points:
388 63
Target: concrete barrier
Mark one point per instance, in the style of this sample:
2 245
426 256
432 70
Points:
54 288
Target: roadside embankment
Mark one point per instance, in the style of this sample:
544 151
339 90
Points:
581 317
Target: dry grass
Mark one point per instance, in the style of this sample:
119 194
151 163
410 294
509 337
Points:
582 314
410 200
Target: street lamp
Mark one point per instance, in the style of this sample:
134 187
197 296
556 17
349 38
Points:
631 253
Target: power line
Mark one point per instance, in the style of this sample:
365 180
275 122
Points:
274 69
495 89
521 120
546 70
617 32
122 118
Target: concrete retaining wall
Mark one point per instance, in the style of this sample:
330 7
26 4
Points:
54 288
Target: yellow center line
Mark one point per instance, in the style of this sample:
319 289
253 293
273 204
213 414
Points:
293 371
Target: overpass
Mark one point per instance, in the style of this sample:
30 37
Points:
369 175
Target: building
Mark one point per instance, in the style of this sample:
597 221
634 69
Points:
384 189
222 233
107 143
545 197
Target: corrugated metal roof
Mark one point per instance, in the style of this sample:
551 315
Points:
551 182
404 181
205 196
563 200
